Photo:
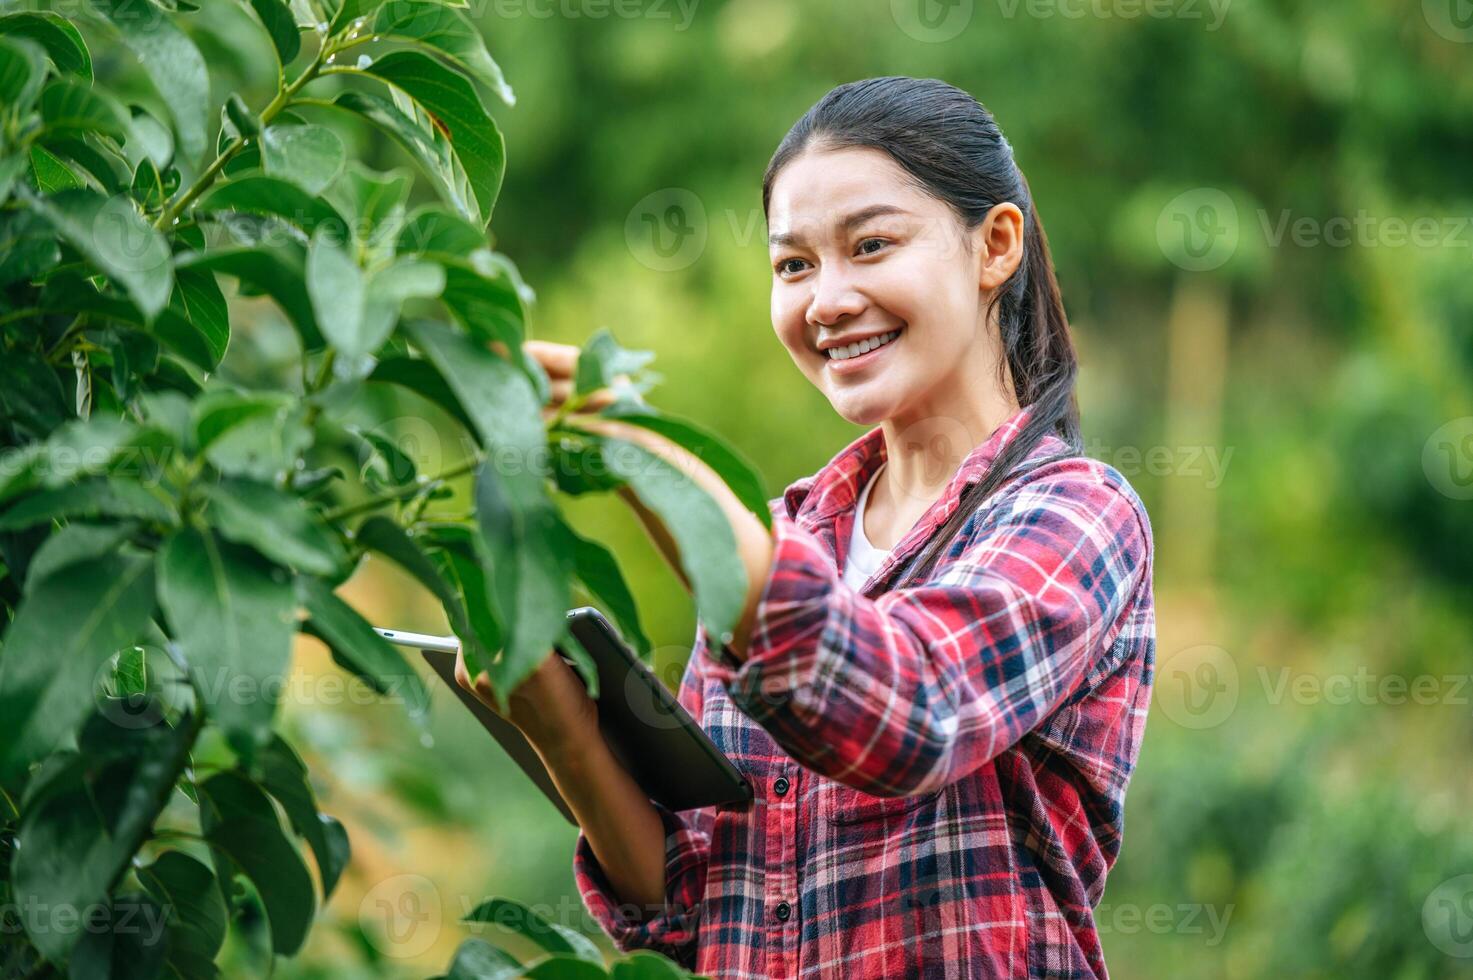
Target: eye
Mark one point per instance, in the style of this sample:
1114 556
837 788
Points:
866 241
782 265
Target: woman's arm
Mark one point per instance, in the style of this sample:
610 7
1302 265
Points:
914 688
754 542
553 710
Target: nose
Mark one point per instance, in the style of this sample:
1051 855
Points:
834 297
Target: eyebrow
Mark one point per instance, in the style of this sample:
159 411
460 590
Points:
856 218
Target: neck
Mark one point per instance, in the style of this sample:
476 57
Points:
924 449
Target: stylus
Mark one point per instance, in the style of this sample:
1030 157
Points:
425 641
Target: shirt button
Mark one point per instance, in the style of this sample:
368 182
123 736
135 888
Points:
783 911
780 787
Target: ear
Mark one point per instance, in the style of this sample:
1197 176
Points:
998 245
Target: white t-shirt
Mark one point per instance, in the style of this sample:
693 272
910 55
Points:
863 559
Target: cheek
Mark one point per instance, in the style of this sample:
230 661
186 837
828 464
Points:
787 321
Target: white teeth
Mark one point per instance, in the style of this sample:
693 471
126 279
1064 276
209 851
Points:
861 346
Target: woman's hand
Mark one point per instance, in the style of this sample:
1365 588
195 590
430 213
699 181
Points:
560 361
551 707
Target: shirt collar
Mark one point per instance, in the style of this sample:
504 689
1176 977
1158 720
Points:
815 499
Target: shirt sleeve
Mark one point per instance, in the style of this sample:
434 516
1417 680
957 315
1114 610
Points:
914 688
672 929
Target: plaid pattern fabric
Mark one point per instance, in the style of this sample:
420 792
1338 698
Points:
940 768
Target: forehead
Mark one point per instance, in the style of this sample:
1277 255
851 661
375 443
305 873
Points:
817 189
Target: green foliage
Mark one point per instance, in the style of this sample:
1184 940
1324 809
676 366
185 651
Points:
566 954
170 520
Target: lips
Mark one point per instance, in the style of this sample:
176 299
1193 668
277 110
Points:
860 362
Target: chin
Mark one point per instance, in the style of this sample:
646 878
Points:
858 411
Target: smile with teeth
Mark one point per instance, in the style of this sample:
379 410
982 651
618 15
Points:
861 346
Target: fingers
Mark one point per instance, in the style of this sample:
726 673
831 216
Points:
481 686
561 389
559 360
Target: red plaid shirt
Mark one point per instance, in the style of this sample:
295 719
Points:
940 769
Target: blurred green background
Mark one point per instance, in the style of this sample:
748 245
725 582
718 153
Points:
1260 213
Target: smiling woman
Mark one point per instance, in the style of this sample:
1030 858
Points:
941 752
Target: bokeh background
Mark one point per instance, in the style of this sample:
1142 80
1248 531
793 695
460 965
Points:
1260 213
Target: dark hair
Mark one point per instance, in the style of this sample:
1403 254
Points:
951 146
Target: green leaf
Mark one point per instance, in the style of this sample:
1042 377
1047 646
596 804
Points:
200 307
375 200
389 288
75 449
428 149
421 378
277 272
531 554
117 241
197 917
91 499
72 107
485 301
63 43
734 469
285 777
124 940
466 567
172 63
81 827
282 27
148 186
76 543
602 359
27 248
238 819
148 139
485 295
477 959
335 285
278 525
50 172
528 924
309 156
388 539
259 435
561 966
707 545
599 572
458 113
531 562
232 615
217 412
446 31
356 646
92 155
431 231
22 72
69 623
344 12
646 965
274 197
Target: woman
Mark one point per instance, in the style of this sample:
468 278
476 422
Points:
940 680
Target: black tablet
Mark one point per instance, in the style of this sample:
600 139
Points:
657 741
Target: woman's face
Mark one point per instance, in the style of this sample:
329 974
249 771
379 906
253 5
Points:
859 253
